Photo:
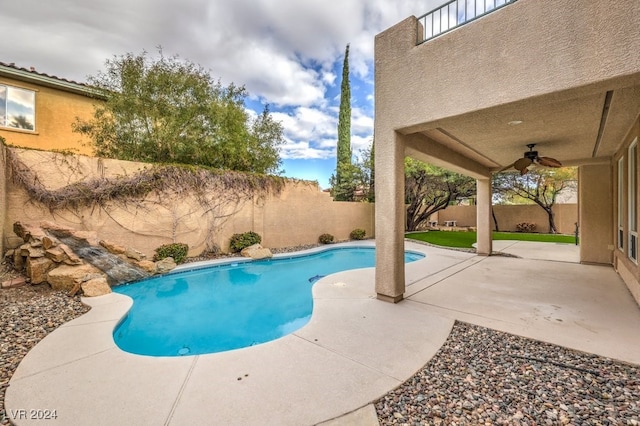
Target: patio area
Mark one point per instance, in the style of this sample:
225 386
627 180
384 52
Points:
354 350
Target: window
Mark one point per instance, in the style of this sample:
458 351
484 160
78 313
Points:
17 108
621 203
632 250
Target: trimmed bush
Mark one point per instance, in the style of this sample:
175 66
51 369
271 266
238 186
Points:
357 234
178 251
240 241
325 239
526 227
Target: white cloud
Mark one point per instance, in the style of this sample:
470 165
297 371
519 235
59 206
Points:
287 53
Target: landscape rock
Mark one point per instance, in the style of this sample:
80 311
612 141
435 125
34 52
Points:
49 242
18 260
134 254
64 277
14 282
53 246
28 232
256 251
57 254
27 250
72 257
147 265
96 287
113 247
37 269
165 265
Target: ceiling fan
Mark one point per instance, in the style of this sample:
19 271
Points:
530 157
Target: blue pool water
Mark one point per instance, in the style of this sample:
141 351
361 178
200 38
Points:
229 306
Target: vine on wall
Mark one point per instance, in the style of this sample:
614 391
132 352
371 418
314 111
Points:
173 179
219 193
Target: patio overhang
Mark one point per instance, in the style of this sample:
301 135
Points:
471 100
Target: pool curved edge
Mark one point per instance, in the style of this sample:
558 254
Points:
130 344
79 364
93 331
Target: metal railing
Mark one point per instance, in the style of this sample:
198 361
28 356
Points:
455 14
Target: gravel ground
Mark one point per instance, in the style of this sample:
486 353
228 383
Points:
27 315
485 377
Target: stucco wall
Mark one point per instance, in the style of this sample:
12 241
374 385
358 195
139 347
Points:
297 215
596 213
3 198
413 83
508 216
55 111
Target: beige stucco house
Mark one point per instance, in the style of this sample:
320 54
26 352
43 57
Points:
469 92
37 110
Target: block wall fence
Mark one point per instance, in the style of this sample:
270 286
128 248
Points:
295 216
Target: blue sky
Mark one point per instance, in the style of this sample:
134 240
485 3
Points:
287 53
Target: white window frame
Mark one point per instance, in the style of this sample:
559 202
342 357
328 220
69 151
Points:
632 173
620 183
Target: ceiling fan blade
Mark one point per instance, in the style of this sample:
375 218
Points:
523 171
505 168
522 163
549 162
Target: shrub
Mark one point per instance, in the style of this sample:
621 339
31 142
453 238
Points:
526 227
325 239
178 251
357 234
240 241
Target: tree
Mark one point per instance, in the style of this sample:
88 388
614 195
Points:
357 183
344 171
348 188
429 189
369 172
170 110
540 186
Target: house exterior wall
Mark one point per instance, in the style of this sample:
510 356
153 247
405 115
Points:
298 215
492 68
3 197
595 211
628 270
55 110
565 50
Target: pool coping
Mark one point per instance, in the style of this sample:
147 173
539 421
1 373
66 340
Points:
354 349
80 362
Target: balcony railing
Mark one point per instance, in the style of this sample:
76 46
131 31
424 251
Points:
455 14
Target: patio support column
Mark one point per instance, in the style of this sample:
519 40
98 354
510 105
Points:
390 217
483 216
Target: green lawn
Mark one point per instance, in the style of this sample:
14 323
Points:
465 239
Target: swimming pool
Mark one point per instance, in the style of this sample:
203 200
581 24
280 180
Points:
229 306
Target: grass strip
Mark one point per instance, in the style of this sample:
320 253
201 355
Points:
466 239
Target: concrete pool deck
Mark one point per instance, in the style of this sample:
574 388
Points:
355 348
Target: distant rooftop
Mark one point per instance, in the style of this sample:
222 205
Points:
30 74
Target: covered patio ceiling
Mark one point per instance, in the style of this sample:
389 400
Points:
579 126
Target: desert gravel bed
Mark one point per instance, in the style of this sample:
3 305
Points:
485 377
27 315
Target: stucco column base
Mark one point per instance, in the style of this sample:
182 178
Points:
390 299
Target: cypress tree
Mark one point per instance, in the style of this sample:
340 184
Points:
344 133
